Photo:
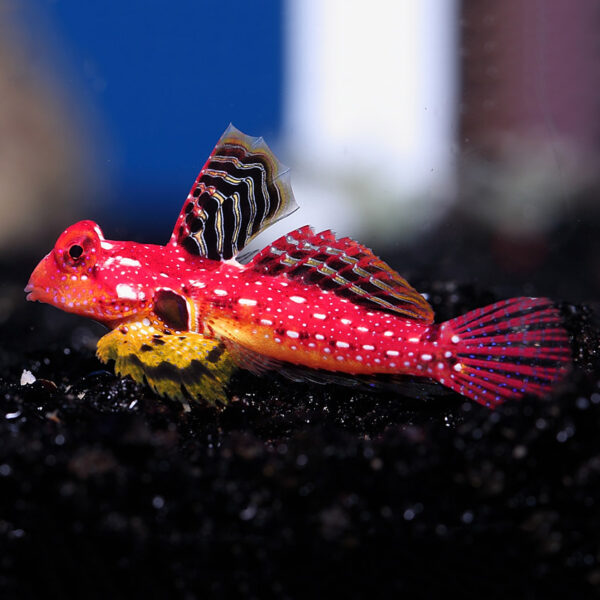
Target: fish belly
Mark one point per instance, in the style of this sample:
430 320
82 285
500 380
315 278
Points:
339 337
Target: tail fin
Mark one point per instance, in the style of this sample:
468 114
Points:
506 350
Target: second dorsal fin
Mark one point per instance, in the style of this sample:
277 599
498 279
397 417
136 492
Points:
241 190
344 267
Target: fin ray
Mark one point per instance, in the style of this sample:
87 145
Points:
506 350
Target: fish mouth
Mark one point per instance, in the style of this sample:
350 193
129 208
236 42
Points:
30 290
36 288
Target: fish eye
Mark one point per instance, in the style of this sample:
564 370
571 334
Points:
77 247
75 251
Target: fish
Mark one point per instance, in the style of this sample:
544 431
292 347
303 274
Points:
183 316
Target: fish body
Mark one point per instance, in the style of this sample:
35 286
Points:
312 306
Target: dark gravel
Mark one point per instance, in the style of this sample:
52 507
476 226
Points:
292 490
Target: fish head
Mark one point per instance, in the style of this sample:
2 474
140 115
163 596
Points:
77 276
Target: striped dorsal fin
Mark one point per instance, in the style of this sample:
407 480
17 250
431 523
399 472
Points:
344 267
241 190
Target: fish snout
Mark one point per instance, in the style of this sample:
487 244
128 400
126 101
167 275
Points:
31 291
29 288
38 282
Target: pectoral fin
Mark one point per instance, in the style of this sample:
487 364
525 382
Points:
172 365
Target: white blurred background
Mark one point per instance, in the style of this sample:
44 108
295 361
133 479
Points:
370 111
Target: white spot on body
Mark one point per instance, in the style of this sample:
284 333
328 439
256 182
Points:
455 339
129 262
320 316
346 321
414 340
220 292
426 357
126 292
318 336
146 322
447 354
297 299
342 345
266 322
368 347
393 353
458 367
363 329
388 333
245 301
106 245
292 334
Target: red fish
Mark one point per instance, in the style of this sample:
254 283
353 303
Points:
311 305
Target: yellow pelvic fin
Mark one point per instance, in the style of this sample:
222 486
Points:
169 364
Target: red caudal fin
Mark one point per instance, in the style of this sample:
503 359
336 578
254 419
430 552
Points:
505 350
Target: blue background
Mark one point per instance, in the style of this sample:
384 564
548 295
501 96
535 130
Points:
163 80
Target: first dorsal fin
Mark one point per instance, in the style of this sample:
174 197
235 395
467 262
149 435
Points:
241 190
344 267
